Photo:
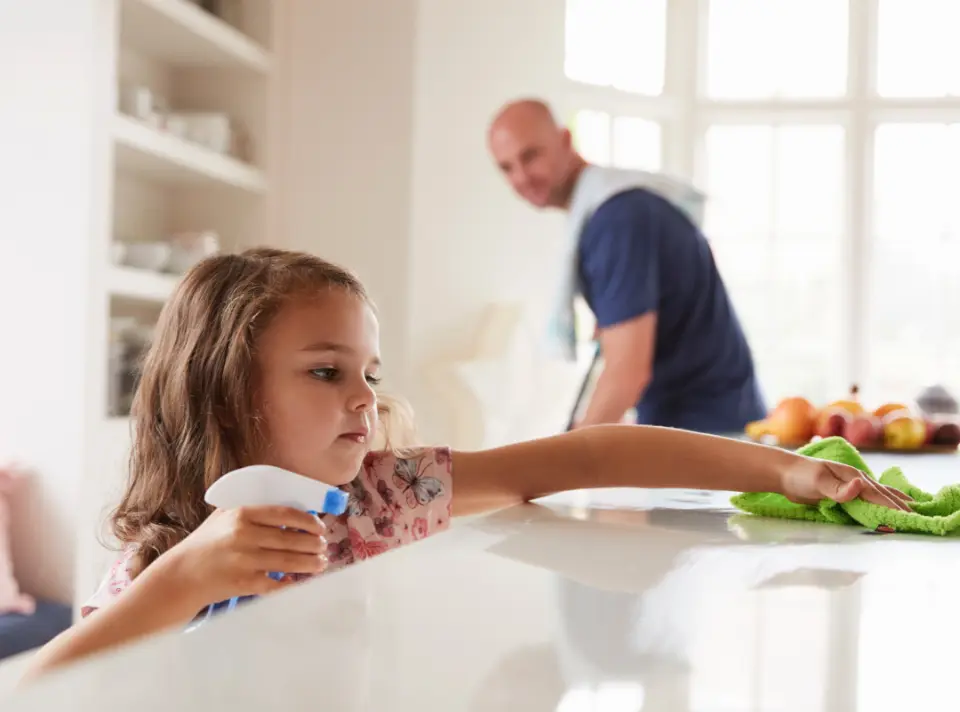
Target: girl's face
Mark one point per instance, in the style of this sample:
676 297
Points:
318 363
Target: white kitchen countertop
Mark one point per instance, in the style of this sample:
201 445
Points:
614 600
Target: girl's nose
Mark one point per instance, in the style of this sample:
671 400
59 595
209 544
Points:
362 399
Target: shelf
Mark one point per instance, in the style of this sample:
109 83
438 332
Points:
158 156
183 35
140 285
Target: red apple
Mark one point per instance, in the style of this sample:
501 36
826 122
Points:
833 423
863 431
947 434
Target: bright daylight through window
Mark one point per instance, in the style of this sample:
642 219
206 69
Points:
832 174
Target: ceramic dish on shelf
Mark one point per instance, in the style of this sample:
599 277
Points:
189 248
153 256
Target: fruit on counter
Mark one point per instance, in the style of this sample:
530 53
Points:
833 421
851 404
757 430
904 431
887 408
899 425
865 430
947 434
791 422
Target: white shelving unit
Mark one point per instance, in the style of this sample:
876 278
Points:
140 285
182 34
184 59
90 161
158 185
155 156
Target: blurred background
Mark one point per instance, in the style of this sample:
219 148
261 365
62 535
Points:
137 136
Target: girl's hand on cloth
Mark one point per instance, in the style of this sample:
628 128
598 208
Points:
811 480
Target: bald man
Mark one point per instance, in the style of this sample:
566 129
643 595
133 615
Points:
672 344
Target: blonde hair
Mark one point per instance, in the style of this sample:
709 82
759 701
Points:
194 414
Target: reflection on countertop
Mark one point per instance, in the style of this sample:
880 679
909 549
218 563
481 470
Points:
614 600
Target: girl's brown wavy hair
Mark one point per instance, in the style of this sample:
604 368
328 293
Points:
195 414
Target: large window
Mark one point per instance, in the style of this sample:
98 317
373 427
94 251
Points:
775 220
914 277
620 46
617 43
761 49
918 54
621 141
827 136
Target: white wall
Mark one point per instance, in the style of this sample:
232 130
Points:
343 147
385 169
473 242
50 164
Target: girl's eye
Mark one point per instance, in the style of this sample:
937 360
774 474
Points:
332 374
325 374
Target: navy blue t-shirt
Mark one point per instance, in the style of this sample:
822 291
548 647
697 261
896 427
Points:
638 253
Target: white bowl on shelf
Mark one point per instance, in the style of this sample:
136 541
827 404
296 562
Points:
189 248
153 256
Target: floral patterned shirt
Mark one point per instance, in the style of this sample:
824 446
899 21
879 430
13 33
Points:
393 501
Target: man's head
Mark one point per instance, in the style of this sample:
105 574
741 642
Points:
534 153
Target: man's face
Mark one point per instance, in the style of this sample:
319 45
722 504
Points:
533 158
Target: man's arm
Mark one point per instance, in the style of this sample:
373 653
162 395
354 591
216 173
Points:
628 366
619 267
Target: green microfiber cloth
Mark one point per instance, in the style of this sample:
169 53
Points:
932 514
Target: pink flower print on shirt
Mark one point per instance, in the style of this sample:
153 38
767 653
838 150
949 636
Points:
442 458
365 548
384 524
420 529
340 552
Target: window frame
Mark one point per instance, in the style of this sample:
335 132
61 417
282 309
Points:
685 112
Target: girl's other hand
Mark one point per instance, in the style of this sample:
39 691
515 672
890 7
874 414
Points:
232 552
812 480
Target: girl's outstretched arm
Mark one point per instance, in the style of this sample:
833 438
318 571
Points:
648 456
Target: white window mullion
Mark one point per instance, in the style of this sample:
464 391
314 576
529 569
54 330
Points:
712 114
862 53
796 107
887 114
685 42
923 107
613 101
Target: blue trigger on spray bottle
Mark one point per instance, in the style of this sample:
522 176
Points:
334 502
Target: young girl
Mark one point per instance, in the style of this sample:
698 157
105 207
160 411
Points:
273 357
